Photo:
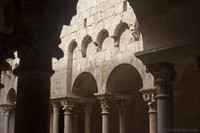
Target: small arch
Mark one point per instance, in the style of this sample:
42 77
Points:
124 79
103 34
120 28
72 46
11 97
85 42
85 85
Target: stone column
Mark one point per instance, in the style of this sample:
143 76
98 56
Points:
88 111
56 110
105 114
149 97
122 107
7 111
67 107
164 76
76 118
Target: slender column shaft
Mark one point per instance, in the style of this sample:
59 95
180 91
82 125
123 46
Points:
68 124
6 123
105 115
76 116
88 111
56 110
122 107
153 121
122 123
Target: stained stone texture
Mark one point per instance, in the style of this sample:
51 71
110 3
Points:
98 39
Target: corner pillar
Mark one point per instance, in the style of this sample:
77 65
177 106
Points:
164 76
7 110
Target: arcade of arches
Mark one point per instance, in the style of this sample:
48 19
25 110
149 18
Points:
122 66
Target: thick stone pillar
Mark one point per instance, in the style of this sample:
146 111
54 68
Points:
33 89
122 107
105 114
67 107
56 110
88 111
164 75
149 97
7 110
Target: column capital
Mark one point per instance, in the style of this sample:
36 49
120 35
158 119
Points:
122 105
88 108
149 95
164 76
105 105
56 107
68 106
7 108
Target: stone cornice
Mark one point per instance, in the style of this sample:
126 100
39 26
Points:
168 53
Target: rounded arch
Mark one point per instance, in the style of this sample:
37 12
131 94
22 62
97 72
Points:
103 34
120 28
11 96
72 46
85 85
85 42
124 79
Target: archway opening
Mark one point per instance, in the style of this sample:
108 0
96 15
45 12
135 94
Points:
85 85
126 80
11 97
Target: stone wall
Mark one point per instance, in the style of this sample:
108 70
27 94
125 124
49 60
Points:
102 35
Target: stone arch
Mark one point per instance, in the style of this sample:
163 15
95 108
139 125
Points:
124 79
72 46
85 85
103 34
11 96
120 28
85 42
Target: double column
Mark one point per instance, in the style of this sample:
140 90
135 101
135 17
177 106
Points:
105 114
122 108
164 76
7 110
149 97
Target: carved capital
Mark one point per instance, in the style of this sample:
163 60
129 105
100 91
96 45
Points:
68 106
105 105
7 109
88 108
56 107
122 105
149 96
164 76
